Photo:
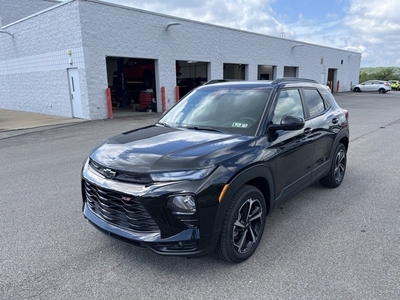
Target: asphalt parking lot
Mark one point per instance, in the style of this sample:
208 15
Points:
321 244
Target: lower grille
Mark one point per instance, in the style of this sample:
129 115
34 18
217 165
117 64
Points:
119 209
171 246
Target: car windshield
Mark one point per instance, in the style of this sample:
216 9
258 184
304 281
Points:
217 108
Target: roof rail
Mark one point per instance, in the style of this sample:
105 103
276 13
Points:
293 79
221 80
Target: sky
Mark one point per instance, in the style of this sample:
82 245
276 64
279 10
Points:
369 27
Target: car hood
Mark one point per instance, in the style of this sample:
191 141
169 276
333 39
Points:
156 148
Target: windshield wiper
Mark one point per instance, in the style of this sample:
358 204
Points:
163 124
202 128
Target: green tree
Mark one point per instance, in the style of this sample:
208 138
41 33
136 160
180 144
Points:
385 74
382 73
364 76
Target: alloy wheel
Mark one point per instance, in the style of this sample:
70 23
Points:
248 225
340 165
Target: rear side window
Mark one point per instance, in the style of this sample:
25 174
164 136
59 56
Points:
329 99
315 103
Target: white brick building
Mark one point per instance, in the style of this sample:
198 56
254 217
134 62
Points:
80 47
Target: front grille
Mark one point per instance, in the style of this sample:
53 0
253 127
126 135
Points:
119 209
125 176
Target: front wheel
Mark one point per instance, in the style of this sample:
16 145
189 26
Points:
243 225
357 89
338 168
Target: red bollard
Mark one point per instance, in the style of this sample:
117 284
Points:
109 103
164 103
177 96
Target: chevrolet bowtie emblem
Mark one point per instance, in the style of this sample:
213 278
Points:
109 173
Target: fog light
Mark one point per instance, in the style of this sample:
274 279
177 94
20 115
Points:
182 204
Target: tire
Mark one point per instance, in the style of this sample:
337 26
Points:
338 168
243 225
381 91
357 89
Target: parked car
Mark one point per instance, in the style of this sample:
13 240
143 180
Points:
395 84
379 86
206 175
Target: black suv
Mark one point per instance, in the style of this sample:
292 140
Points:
207 174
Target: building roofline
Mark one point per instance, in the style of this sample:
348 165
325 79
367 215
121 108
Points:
60 3
213 25
172 18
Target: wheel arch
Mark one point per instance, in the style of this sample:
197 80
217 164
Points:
343 138
258 176
345 141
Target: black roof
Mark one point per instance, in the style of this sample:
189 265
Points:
262 83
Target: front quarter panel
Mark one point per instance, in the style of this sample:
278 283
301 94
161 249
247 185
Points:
261 171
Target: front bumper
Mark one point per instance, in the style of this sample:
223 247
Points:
184 242
145 220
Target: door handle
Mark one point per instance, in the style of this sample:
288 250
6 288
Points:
307 131
335 120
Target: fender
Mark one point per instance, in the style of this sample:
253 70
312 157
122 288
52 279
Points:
257 171
343 134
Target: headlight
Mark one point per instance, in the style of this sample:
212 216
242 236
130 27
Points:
182 175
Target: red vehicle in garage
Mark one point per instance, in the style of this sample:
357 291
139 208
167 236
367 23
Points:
140 71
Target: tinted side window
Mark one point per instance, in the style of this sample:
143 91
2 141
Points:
314 101
288 103
329 99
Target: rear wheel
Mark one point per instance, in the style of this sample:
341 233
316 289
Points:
382 91
338 168
243 225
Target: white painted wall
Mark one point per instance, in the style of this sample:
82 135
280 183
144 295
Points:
33 63
94 30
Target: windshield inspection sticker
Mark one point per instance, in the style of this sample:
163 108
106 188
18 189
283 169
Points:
240 125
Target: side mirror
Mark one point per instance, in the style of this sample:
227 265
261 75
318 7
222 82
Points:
288 123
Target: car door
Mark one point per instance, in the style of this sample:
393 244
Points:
293 148
323 119
368 86
376 85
